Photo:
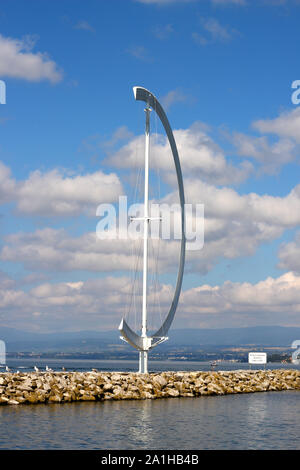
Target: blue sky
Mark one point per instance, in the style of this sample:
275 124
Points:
223 70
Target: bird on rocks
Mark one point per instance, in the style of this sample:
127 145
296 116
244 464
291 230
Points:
36 369
48 369
7 369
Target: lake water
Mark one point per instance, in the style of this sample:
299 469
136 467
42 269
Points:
267 420
27 365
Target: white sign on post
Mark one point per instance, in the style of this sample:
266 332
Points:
257 358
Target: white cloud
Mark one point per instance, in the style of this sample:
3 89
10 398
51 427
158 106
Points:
235 225
289 255
84 25
281 212
228 2
217 31
286 125
272 156
6 282
100 303
200 156
54 250
163 2
59 193
170 2
163 32
56 193
217 2
7 184
271 301
213 32
18 61
121 134
91 304
274 151
276 2
82 304
173 96
140 53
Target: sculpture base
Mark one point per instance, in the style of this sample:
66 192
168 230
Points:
143 362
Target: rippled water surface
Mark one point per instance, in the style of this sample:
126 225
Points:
269 420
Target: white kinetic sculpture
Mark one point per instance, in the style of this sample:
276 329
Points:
143 342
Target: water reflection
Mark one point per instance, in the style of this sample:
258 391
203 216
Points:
254 421
141 428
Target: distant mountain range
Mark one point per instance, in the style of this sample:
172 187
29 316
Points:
94 341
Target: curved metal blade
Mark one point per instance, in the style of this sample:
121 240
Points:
141 94
138 342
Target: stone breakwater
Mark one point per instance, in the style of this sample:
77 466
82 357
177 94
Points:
63 387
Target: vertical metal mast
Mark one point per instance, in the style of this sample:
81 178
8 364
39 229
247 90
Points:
144 354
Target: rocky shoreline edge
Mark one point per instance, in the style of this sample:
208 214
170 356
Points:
66 387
